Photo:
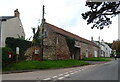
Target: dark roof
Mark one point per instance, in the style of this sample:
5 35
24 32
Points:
4 18
66 33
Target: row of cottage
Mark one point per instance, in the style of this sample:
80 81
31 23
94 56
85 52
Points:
55 44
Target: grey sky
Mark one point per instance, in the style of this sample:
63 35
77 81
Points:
65 14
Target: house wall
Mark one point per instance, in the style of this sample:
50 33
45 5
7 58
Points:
106 49
62 50
49 45
86 50
77 54
96 52
11 28
55 46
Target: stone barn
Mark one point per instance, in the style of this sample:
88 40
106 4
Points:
55 46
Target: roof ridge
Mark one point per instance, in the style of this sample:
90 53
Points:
7 17
65 30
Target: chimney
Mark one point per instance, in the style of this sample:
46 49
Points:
16 13
92 38
99 38
102 40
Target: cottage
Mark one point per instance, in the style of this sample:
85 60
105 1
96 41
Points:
11 26
56 45
105 50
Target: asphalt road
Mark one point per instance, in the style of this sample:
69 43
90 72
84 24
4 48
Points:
107 71
104 71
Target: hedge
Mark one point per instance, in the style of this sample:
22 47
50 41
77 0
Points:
5 58
22 44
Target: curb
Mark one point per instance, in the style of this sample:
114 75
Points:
19 71
96 62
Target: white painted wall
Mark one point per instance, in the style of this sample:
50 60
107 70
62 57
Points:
86 53
95 54
106 49
11 28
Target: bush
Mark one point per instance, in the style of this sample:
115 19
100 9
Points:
5 58
71 44
22 44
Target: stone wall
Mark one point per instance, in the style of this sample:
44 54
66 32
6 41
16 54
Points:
55 46
62 50
49 44
49 53
87 50
30 53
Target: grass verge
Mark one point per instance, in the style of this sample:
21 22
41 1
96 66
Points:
28 65
96 59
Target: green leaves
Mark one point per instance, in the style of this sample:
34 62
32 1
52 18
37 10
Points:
5 59
22 44
36 37
100 13
71 44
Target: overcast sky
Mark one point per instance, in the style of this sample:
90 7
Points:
65 14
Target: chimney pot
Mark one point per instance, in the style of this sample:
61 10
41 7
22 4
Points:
16 13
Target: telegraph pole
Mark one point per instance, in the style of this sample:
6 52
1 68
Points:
119 27
42 32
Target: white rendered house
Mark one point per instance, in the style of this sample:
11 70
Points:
105 49
10 26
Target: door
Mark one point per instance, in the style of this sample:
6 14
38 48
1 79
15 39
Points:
77 53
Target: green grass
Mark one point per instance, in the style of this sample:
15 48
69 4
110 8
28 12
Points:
27 65
96 59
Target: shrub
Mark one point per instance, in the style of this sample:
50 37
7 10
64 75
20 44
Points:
22 44
71 44
5 58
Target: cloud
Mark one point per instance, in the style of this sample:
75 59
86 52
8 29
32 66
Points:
65 14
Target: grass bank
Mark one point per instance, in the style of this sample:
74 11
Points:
27 65
96 59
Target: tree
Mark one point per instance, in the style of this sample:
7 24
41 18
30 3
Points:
36 36
100 13
109 44
116 46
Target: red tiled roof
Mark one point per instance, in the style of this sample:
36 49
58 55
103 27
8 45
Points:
66 33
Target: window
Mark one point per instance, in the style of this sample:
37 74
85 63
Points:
45 34
20 25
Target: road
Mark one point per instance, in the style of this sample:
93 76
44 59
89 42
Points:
107 71
104 71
